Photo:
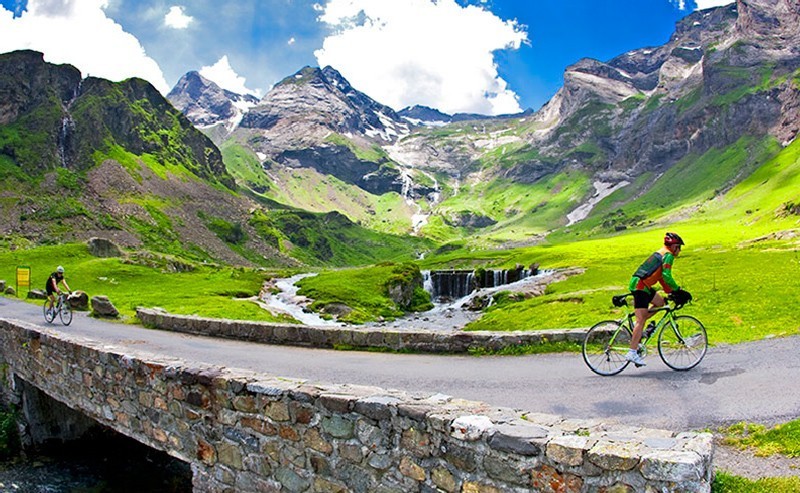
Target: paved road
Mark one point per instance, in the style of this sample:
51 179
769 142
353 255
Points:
755 381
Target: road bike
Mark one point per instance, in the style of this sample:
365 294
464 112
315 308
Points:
61 309
682 339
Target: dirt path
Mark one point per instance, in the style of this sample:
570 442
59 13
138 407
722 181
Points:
744 463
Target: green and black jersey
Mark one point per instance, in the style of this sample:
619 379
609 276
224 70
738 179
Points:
656 269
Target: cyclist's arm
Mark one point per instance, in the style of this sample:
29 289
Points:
64 282
667 281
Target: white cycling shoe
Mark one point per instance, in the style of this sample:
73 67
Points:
634 358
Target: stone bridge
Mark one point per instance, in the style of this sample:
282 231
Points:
242 432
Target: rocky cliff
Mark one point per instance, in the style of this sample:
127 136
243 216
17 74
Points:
51 117
206 104
88 157
316 119
726 74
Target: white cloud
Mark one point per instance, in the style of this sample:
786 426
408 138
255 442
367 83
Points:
79 33
176 18
434 53
707 4
225 77
291 41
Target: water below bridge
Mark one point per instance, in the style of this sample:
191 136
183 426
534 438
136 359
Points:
104 462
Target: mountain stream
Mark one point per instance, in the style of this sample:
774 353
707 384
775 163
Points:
407 169
445 316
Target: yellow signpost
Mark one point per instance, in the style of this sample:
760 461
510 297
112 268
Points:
23 277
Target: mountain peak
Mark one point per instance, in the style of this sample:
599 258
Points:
207 104
323 101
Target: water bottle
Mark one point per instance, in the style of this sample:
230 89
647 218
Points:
651 327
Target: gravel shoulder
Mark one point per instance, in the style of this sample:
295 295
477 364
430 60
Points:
746 464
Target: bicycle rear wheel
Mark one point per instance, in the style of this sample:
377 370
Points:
604 347
682 344
66 314
49 315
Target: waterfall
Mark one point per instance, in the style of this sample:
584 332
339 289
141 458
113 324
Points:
67 130
420 217
427 282
65 139
449 285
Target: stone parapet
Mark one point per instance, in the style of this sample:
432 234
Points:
330 337
247 432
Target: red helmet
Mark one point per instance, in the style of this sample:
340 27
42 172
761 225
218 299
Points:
673 239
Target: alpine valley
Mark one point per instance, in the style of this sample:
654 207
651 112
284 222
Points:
317 173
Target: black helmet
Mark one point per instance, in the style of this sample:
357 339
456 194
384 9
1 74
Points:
673 239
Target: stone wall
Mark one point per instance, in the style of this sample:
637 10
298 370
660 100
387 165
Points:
330 337
244 432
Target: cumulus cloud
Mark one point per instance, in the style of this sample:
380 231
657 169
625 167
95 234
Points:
79 33
701 4
429 52
225 77
707 4
176 18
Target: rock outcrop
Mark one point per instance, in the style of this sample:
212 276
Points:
206 104
102 307
103 247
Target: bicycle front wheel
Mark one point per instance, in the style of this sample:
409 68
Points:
49 314
66 314
604 347
682 343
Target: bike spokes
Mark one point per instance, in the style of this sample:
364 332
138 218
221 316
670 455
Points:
49 314
604 348
682 343
66 314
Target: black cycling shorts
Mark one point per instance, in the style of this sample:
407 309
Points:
642 298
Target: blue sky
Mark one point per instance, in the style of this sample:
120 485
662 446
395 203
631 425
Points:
481 56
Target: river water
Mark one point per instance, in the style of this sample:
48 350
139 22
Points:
444 317
105 463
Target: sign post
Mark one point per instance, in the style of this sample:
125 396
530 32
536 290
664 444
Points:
23 277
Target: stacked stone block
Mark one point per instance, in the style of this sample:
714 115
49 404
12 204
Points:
242 431
331 337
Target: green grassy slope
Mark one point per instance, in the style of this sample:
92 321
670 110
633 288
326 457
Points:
310 190
207 291
331 239
742 254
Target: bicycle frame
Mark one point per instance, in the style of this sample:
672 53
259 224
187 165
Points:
629 322
682 339
60 309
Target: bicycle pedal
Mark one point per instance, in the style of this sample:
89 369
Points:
639 365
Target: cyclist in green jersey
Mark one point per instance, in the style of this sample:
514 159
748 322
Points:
656 269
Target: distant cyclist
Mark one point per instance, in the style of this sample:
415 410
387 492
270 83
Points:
52 284
656 269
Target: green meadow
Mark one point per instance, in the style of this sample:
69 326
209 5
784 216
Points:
208 290
741 260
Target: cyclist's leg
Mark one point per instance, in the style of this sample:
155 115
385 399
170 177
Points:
52 298
641 305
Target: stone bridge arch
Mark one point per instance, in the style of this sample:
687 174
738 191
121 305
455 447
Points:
242 432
